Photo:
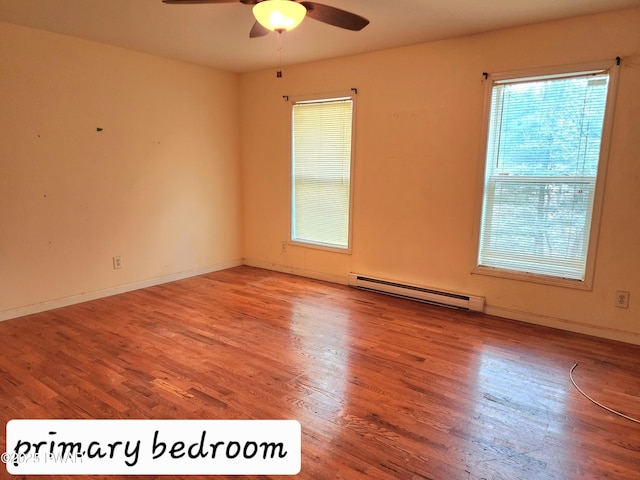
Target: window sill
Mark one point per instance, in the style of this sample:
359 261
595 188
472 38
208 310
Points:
532 278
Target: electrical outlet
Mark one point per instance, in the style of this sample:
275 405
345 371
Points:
283 247
117 262
622 299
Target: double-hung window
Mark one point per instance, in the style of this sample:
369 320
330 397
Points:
321 165
545 154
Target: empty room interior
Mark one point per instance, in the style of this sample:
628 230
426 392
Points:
421 243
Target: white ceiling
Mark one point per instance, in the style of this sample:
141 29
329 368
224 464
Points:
217 35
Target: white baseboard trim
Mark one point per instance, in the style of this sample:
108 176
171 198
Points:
526 317
563 324
301 272
107 292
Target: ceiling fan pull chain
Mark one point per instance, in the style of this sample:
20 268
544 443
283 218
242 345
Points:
279 72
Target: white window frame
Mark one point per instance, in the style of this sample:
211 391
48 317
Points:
552 72
350 95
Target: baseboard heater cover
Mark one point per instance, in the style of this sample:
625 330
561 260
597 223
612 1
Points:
413 292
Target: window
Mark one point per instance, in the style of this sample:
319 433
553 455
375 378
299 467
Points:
321 172
544 155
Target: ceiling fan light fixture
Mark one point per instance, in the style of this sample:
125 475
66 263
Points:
279 15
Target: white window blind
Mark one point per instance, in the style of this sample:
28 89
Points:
321 171
542 159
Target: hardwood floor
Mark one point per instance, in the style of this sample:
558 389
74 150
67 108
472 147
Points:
384 388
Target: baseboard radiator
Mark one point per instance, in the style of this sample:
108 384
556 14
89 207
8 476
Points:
421 294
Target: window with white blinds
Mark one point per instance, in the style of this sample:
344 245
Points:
542 162
321 172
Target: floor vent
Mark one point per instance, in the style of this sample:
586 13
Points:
427 295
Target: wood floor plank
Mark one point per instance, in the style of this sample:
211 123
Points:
384 388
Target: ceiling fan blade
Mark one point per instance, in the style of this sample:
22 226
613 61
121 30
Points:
258 31
335 16
186 2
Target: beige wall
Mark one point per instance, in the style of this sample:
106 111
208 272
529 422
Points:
159 185
417 162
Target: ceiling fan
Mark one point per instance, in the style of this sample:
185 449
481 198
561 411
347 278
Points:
287 14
